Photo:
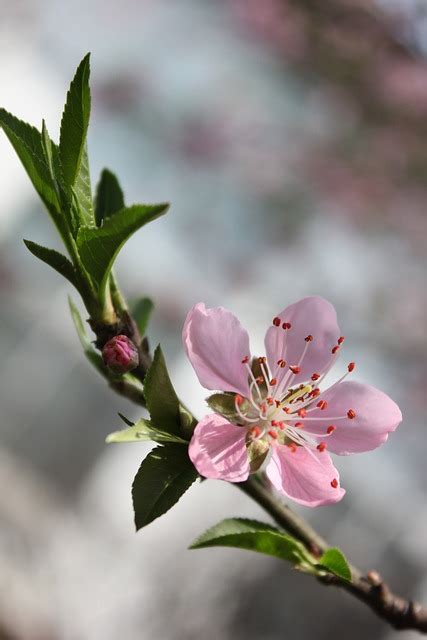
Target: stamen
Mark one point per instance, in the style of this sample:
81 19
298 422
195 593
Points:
286 326
239 400
295 370
314 393
330 429
351 414
334 483
245 360
335 349
351 366
255 432
293 447
276 321
321 446
308 338
298 425
302 413
272 434
322 404
273 382
315 376
341 339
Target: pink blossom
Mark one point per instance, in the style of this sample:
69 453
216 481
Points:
281 417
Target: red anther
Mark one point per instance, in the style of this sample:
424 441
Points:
245 360
262 360
330 429
276 321
272 434
335 349
351 366
238 399
314 393
292 447
315 376
255 432
286 325
351 414
341 339
321 446
260 379
334 483
270 401
302 412
281 425
274 423
286 409
277 403
308 338
295 370
322 404
283 364
273 382
279 362
263 407
298 425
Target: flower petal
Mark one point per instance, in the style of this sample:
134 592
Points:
376 416
313 316
304 476
218 450
216 344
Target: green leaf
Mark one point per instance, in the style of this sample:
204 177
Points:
335 562
224 404
54 259
162 401
109 197
27 142
99 246
72 142
163 477
143 430
92 355
252 535
141 312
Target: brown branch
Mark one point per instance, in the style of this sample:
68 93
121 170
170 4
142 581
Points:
370 589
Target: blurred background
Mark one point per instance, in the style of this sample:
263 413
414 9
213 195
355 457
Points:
290 138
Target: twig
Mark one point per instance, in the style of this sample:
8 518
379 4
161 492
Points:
370 589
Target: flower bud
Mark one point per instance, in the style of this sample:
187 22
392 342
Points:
120 354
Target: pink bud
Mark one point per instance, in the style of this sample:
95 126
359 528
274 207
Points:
120 354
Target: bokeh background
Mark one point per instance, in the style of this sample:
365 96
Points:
290 138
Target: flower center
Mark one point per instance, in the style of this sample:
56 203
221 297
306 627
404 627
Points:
277 409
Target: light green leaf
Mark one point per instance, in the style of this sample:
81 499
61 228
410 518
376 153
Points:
54 259
163 477
99 246
27 142
143 430
141 312
109 197
92 355
335 562
223 403
252 535
162 401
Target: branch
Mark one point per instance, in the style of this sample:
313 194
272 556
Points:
370 589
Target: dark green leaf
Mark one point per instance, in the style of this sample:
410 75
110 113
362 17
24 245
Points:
334 561
92 355
162 401
27 142
99 246
143 430
54 259
72 143
254 536
141 312
109 197
163 477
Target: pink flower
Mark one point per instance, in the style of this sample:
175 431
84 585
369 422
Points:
279 413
